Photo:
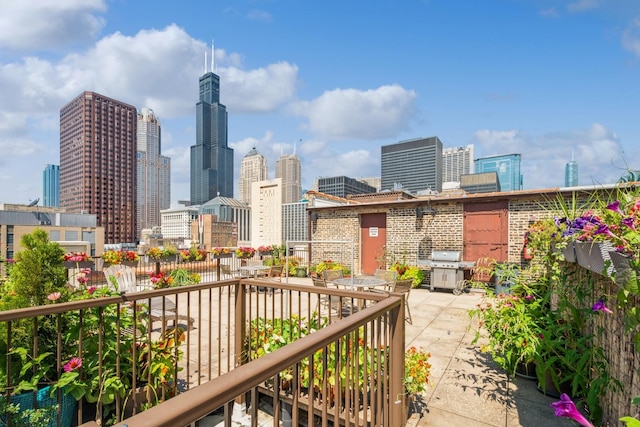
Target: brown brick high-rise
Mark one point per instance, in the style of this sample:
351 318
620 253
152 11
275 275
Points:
98 163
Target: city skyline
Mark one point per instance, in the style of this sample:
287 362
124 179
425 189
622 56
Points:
508 76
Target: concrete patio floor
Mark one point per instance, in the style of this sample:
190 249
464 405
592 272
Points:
467 388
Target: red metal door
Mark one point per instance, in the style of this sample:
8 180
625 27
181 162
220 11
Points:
486 231
373 237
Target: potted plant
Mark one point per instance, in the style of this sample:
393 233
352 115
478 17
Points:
162 254
182 276
505 274
77 260
511 326
265 250
192 254
114 257
245 252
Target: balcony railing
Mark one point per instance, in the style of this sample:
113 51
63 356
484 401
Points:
347 371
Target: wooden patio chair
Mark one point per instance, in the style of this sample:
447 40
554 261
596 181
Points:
388 276
403 286
275 272
328 301
161 309
331 275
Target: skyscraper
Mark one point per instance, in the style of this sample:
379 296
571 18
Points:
51 185
98 163
507 167
252 169
342 186
412 165
571 174
211 158
154 172
289 170
456 162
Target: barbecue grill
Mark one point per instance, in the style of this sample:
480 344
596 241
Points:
447 270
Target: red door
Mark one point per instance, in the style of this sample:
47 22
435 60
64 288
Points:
373 237
486 231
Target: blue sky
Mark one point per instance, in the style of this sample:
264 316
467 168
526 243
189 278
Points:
338 79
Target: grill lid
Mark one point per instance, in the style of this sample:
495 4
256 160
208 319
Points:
450 256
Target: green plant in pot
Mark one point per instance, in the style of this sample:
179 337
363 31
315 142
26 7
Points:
509 327
569 358
506 275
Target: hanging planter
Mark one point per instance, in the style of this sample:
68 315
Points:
623 272
594 255
569 252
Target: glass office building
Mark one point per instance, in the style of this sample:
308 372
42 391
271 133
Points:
51 185
506 166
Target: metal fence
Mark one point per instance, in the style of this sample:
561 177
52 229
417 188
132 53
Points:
346 368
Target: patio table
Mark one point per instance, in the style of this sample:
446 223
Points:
359 283
253 269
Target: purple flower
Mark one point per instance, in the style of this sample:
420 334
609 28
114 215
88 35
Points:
600 306
628 222
615 206
566 408
604 229
529 297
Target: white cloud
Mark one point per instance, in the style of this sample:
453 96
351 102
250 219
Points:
260 90
259 15
631 37
582 5
38 24
349 113
597 151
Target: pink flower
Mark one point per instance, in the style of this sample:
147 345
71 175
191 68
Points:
566 408
91 290
73 364
54 296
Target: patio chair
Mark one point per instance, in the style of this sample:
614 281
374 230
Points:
226 273
275 272
388 276
331 275
329 301
161 309
403 286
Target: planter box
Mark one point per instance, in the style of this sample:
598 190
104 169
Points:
229 255
623 272
594 255
166 258
81 264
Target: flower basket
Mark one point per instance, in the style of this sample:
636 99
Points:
218 256
44 400
79 264
593 255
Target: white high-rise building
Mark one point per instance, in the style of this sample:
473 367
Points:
153 190
252 169
456 162
289 170
266 213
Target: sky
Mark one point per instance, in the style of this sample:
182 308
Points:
333 80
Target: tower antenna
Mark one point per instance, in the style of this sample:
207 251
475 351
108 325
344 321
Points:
213 68
205 62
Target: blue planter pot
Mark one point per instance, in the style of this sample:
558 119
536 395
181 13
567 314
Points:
44 400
